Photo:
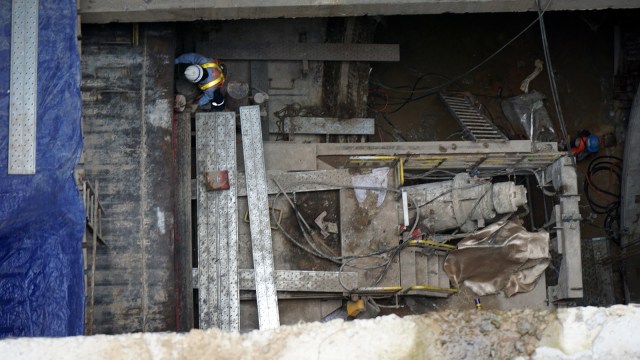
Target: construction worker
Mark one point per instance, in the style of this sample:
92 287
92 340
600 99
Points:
585 143
208 74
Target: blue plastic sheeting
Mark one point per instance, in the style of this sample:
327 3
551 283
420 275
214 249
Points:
42 216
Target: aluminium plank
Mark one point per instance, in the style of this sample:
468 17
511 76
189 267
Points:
219 299
300 280
257 197
230 50
23 87
305 281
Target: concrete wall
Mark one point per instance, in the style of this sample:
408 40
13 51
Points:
577 333
100 11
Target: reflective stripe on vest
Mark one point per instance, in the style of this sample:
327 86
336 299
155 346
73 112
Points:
217 81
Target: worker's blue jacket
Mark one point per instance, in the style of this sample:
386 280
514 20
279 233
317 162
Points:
205 84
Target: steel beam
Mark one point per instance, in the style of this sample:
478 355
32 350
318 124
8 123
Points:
219 299
564 179
93 11
23 87
261 242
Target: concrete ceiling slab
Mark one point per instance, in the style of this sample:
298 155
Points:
101 11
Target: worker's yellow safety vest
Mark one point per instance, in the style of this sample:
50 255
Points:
217 81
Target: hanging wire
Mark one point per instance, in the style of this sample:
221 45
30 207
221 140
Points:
433 90
552 77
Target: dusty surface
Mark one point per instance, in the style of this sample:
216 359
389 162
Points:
577 333
366 228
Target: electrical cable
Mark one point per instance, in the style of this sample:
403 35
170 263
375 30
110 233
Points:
435 89
611 207
342 260
552 77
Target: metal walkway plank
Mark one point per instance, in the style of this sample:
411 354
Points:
23 87
219 298
305 281
230 50
261 242
300 280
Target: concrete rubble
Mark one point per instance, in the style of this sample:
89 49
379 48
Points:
573 333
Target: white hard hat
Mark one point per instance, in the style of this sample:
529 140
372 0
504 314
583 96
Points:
193 73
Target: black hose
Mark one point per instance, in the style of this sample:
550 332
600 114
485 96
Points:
611 209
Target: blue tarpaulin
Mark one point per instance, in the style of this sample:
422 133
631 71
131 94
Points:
41 215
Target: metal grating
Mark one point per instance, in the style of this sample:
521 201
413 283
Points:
219 297
299 280
261 242
475 125
305 281
24 87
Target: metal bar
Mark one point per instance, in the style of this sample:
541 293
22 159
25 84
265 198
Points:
23 87
405 209
230 50
564 178
261 242
324 126
219 299
94 244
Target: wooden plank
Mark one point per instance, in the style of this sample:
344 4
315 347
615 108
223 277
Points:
230 50
183 223
430 147
408 267
301 181
289 156
325 126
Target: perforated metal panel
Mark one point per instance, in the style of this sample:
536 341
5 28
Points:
305 281
219 301
24 87
261 241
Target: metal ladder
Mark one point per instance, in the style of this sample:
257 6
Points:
475 125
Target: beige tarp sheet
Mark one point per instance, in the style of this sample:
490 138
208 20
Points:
503 256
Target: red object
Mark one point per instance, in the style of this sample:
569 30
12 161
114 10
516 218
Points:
215 181
580 146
